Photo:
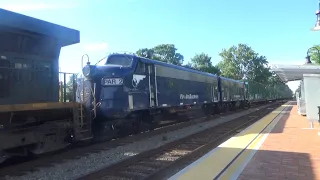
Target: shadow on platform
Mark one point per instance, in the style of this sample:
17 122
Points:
269 164
286 114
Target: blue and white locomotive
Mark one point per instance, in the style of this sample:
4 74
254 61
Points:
125 91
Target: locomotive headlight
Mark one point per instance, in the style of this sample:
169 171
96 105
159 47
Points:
86 71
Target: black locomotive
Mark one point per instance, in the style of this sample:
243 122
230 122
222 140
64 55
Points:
126 92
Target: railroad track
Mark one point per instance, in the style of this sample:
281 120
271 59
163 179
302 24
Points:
160 163
78 152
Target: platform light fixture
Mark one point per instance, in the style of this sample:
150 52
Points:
308 58
317 25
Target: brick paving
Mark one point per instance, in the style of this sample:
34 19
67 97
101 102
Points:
289 152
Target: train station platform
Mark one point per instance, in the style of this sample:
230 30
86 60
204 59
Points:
279 146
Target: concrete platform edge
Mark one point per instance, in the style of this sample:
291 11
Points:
236 168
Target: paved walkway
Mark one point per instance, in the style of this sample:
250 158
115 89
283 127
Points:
291 151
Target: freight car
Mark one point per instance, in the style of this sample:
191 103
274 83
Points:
260 93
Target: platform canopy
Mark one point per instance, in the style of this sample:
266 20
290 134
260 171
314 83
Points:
294 72
64 35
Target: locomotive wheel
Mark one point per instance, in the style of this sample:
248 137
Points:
147 123
103 132
213 110
142 123
3 157
152 126
206 109
227 108
137 123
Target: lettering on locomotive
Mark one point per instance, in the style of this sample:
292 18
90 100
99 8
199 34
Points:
189 96
112 81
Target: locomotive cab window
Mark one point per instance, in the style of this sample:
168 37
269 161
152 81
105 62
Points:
121 60
141 68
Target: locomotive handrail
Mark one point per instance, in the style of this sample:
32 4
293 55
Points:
81 101
92 91
94 101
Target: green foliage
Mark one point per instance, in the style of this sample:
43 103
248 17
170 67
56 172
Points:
202 62
145 52
315 54
163 52
239 62
69 93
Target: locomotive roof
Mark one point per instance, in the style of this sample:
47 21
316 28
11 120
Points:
237 81
65 36
177 67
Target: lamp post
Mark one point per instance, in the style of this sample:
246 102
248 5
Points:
308 60
317 25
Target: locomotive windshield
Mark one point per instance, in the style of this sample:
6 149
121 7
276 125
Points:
121 60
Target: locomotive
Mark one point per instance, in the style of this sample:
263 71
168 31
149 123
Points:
128 93
125 92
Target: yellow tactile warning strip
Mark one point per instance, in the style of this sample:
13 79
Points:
212 165
235 169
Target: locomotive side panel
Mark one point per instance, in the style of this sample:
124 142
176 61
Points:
138 87
28 65
177 87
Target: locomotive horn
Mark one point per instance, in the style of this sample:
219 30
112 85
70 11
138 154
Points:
88 62
149 54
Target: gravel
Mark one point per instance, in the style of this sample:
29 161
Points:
78 167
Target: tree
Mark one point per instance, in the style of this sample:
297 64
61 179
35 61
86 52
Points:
163 52
69 88
202 62
189 65
315 54
145 52
275 82
273 79
242 61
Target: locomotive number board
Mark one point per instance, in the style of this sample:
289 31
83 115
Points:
112 81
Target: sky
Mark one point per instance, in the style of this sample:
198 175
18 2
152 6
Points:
279 30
